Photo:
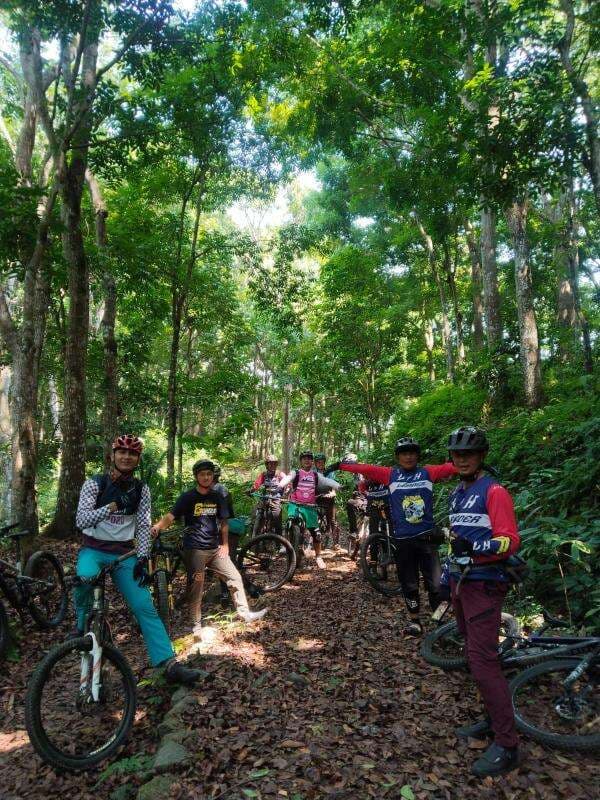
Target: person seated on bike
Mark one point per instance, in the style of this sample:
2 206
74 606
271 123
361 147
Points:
356 503
205 543
378 510
411 507
483 534
305 483
268 480
327 503
114 509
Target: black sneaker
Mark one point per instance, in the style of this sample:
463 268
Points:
478 730
175 672
496 760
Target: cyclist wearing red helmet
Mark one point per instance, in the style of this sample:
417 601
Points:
113 511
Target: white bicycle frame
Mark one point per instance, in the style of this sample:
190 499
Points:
92 659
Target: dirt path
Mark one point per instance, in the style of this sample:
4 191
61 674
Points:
321 699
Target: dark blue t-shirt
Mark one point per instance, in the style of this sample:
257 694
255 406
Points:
202 514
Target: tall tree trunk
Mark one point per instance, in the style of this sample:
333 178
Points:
429 344
446 332
529 343
6 438
476 287
450 270
180 448
179 296
489 270
571 319
286 430
110 411
581 92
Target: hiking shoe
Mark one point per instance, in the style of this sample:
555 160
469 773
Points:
175 672
496 760
414 629
320 562
478 730
252 616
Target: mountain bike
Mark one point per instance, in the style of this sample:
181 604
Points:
38 588
557 702
168 585
296 531
81 700
263 517
378 562
445 646
265 563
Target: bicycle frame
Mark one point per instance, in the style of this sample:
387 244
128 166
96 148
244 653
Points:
91 661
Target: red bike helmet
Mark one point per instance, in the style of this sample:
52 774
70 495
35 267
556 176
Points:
128 442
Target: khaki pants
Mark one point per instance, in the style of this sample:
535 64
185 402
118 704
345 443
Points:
197 561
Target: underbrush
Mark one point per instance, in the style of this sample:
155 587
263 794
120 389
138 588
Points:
550 460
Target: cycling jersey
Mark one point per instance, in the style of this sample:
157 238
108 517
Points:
270 482
483 514
410 493
113 531
307 485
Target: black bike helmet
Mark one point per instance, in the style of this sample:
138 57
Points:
306 454
217 472
203 463
320 457
467 439
407 445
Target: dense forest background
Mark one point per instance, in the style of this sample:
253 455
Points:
234 227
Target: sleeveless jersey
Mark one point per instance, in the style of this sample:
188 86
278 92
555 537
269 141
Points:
469 519
411 502
305 486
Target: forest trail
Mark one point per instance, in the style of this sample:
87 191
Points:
322 699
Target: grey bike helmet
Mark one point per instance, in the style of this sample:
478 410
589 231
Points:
407 445
468 439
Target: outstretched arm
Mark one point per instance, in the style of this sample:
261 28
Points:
371 471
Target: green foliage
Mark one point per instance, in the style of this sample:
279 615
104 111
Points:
431 417
140 762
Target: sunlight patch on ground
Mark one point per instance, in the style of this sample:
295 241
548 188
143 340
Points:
13 741
302 645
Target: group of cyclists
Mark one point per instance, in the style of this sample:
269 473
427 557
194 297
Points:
115 510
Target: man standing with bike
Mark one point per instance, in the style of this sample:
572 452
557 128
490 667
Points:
411 507
205 543
113 510
306 482
484 534
327 503
268 480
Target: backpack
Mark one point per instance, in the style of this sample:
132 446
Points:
296 480
106 496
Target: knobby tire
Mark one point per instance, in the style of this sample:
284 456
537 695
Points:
38 560
33 712
509 625
279 542
564 741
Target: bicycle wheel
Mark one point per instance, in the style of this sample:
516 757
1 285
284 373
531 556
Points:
378 565
160 594
566 717
445 646
48 598
296 539
67 728
4 631
267 562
